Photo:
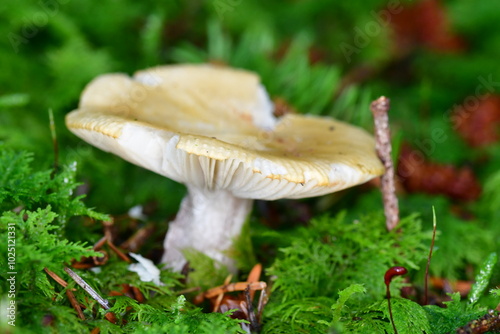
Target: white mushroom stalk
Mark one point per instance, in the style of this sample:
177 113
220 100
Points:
213 130
207 221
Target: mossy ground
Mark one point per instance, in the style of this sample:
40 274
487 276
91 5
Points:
325 258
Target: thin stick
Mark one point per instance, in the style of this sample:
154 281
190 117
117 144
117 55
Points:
69 293
75 304
98 245
103 302
108 233
118 252
138 239
426 282
379 109
56 277
221 294
263 298
254 325
240 286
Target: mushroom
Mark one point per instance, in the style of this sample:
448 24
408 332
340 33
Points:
212 129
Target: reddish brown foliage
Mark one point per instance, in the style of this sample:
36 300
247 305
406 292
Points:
463 287
420 175
425 23
478 120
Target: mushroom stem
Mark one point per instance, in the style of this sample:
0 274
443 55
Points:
207 221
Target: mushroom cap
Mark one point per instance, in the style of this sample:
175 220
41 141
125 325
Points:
213 128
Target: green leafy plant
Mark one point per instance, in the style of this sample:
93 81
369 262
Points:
38 243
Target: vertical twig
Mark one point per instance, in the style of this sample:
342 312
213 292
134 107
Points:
254 325
263 298
379 109
108 235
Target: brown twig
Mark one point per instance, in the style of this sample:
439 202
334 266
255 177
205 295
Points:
242 303
240 286
56 277
108 229
98 245
75 304
108 236
254 325
133 243
220 294
69 293
379 109
118 252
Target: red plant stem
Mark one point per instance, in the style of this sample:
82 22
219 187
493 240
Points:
388 292
379 109
389 275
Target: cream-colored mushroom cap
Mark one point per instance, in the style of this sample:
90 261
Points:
213 128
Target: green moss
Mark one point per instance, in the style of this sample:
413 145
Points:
327 276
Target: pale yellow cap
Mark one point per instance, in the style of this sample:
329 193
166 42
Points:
213 128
